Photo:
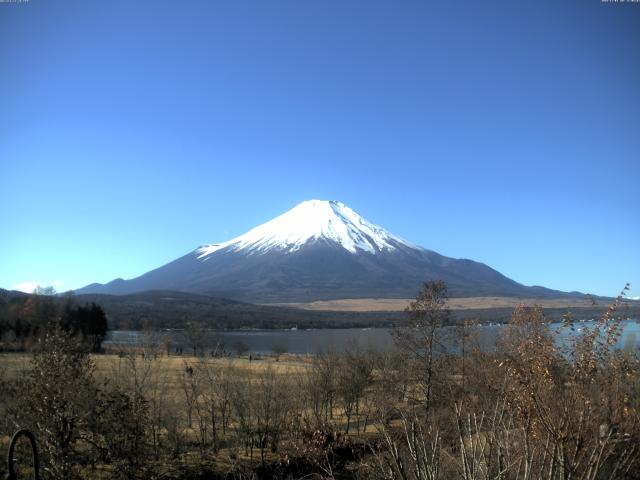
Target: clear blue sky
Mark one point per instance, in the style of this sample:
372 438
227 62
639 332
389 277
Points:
506 132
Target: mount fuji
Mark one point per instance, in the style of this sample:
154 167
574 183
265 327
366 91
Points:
319 250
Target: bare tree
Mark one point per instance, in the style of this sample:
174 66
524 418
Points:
212 401
321 386
144 377
354 375
189 386
413 452
242 397
240 347
196 336
118 431
271 409
279 349
421 337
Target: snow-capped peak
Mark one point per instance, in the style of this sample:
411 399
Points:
313 220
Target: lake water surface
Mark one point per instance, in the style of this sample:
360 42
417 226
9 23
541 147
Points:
314 341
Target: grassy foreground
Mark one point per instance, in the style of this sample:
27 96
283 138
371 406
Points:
179 391
532 408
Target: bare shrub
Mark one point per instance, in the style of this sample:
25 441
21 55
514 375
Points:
59 397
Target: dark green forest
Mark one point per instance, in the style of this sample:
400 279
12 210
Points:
25 318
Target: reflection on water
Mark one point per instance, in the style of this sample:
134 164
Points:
314 341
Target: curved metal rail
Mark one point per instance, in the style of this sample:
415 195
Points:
34 454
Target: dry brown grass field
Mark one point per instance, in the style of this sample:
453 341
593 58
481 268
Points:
165 378
399 304
111 367
174 367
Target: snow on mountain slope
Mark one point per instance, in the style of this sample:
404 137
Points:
319 250
313 220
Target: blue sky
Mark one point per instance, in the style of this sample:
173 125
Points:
506 132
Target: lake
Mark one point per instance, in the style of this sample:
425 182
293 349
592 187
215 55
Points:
314 341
